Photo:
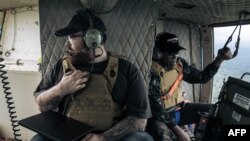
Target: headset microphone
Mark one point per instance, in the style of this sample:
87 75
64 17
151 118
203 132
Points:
74 53
70 53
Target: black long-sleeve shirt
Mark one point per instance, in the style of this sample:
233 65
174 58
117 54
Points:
190 75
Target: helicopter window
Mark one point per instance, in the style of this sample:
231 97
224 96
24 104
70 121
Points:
21 49
238 65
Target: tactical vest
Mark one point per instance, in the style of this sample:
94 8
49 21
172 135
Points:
167 80
93 104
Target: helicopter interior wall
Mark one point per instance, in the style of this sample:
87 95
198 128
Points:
22 85
130 30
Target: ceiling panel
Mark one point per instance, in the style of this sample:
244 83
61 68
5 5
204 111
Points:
204 12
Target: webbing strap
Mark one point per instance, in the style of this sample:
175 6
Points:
174 87
67 66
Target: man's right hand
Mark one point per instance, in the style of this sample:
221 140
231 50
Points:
73 81
181 135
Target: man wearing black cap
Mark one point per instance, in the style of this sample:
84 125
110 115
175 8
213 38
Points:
167 72
94 87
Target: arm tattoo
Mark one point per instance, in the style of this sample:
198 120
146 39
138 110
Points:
125 127
51 105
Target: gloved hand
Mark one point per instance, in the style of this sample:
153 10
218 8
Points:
224 54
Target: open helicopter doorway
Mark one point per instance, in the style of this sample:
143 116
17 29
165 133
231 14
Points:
237 66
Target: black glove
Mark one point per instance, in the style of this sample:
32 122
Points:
225 53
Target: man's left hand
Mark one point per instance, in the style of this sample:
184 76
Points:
94 137
225 53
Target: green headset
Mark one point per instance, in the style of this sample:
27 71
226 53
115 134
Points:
93 37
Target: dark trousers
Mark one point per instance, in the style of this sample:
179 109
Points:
137 136
189 114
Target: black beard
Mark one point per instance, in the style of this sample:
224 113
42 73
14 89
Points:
82 58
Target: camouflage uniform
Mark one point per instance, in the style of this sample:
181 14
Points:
190 75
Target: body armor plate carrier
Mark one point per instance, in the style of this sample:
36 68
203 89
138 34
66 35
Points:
93 104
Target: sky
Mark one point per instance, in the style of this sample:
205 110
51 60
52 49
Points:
237 66
221 35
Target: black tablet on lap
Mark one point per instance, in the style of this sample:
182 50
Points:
56 127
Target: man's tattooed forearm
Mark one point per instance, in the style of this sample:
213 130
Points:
125 127
51 105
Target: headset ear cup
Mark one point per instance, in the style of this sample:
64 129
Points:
157 54
93 37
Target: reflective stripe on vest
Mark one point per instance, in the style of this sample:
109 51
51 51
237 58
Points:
94 104
174 87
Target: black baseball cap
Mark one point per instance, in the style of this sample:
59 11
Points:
168 42
81 22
